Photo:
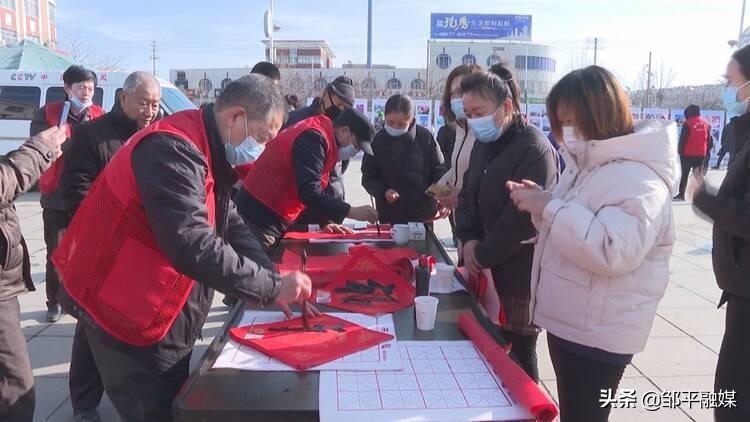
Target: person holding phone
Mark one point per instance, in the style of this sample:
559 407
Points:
79 84
490 227
19 170
406 161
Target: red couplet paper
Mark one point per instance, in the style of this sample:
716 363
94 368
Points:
321 269
399 259
368 285
370 233
483 287
523 388
327 339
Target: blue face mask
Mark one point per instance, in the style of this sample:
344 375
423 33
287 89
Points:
78 104
734 107
246 152
484 128
395 132
457 107
347 152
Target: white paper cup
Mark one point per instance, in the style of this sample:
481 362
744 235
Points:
401 234
445 276
425 310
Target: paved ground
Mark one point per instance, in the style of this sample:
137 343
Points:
681 352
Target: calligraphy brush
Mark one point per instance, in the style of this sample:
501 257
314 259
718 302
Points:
377 223
304 303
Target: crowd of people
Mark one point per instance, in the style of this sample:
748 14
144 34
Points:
145 216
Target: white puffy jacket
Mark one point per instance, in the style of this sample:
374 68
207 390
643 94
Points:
601 263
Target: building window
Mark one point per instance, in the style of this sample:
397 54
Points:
51 9
368 83
535 63
8 4
34 38
293 55
443 61
19 102
393 83
469 59
418 85
32 8
493 59
9 36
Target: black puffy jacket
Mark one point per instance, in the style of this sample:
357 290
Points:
408 164
729 208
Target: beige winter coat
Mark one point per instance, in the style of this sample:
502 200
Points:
601 263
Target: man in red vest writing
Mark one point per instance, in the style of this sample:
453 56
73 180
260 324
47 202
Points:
293 173
157 234
79 85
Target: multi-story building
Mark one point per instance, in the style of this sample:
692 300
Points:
306 69
301 54
534 65
28 19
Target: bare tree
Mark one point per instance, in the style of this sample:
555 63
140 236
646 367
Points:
85 53
662 80
295 84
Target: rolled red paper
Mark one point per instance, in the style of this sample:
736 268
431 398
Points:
524 389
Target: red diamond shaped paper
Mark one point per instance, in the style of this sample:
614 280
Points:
368 285
327 339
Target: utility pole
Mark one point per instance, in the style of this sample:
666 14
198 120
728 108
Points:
648 82
742 22
153 57
271 51
369 34
596 48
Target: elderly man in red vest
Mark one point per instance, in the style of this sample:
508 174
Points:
157 234
293 175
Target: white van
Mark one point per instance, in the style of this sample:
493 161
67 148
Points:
23 92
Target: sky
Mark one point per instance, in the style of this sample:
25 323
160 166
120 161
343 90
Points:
688 37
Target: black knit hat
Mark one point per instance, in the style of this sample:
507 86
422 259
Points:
359 124
743 58
343 87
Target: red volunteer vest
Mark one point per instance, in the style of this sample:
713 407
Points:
109 259
697 142
51 178
271 178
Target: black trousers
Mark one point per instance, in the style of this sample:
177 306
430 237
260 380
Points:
55 223
137 389
733 370
524 350
689 163
579 384
17 397
86 388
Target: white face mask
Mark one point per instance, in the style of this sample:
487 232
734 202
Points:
394 132
573 142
